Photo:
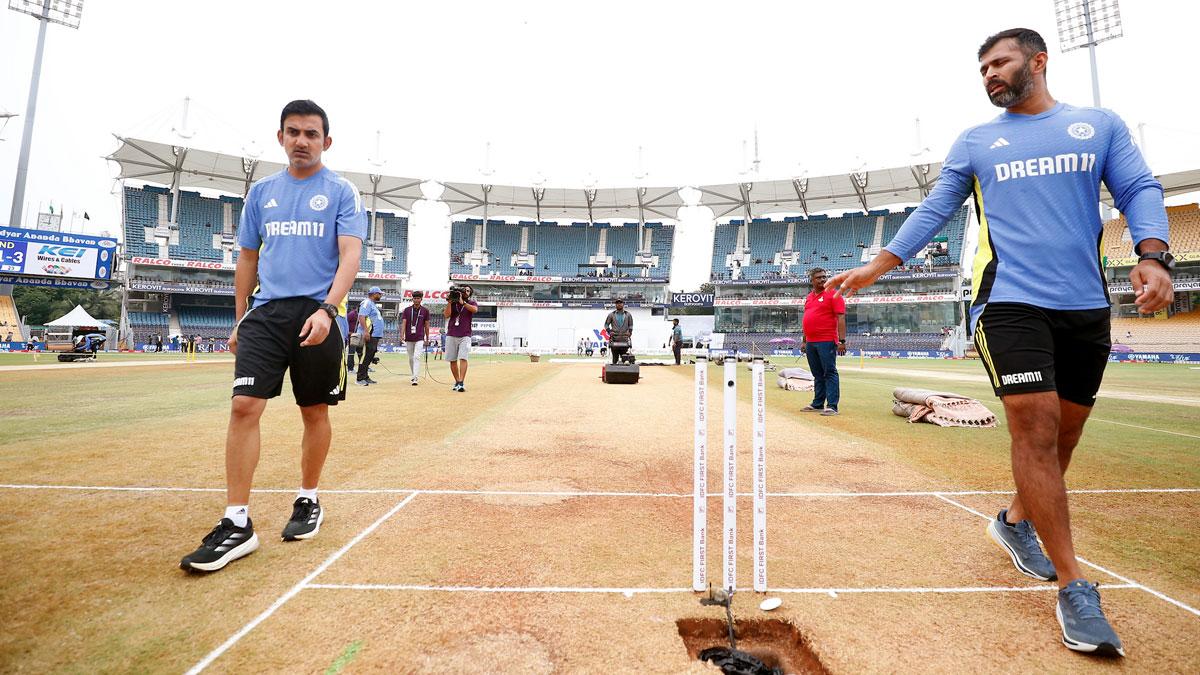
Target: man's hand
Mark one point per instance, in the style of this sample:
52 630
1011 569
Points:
316 328
803 346
849 282
841 349
233 341
1151 286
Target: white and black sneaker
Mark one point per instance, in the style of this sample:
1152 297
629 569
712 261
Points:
307 516
226 543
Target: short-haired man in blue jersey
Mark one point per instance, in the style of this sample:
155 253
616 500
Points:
1040 306
301 236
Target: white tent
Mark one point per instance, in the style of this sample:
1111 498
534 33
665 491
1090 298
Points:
76 317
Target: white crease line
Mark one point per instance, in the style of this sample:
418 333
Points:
495 589
582 493
634 591
1094 566
1138 426
216 653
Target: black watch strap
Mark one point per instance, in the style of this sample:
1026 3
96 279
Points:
1163 258
331 310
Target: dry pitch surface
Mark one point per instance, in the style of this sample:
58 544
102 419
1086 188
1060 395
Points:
541 522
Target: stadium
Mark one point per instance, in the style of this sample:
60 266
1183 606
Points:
550 520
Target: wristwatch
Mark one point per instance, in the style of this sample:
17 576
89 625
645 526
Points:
331 310
1163 258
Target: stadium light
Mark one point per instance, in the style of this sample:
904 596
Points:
63 12
1087 23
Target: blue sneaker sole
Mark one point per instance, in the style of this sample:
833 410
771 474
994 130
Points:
1016 560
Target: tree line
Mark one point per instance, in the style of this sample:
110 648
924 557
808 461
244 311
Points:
40 305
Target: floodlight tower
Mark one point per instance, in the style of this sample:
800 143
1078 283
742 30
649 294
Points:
63 12
1087 23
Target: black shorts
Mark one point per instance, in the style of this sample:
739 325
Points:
1028 349
268 343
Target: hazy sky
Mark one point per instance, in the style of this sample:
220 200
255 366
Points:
566 89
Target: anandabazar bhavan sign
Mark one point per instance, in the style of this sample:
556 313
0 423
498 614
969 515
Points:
43 253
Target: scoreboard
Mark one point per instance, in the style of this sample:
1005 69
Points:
59 255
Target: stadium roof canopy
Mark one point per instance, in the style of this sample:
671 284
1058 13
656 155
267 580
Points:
181 167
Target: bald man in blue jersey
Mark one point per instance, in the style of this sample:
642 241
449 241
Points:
1040 308
301 235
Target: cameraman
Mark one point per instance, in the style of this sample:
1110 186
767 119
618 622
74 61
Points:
620 330
460 310
371 320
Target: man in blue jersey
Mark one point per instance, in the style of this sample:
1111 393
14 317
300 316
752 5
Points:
301 235
370 319
1040 306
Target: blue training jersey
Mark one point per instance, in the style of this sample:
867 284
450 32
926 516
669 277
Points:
1036 184
367 308
295 225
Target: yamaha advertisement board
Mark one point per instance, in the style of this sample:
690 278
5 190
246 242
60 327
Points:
56 255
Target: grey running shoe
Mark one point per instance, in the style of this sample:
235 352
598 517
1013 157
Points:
1021 543
1084 628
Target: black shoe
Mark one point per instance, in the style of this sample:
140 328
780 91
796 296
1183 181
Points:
307 516
462 387
370 381
226 543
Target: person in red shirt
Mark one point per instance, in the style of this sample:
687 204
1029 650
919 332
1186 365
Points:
823 341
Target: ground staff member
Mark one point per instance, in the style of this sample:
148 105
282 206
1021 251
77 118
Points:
677 341
414 326
459 314
301 235
1040 307
823 341
371 321
619 325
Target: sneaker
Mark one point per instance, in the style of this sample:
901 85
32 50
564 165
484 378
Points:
226 543
462 387
414 382
810 408
370 369
370 381
361 383
306 520
457 387
1021 543
1084 628
829 412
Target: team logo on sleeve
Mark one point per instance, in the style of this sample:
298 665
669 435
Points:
319 202
1081 131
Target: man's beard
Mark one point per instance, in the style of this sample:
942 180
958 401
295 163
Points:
1019 90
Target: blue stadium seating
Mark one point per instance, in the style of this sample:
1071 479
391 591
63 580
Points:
206 321
199 219
560 248
954 231
141 211
835 243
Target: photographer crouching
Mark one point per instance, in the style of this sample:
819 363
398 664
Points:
619 325
460 310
